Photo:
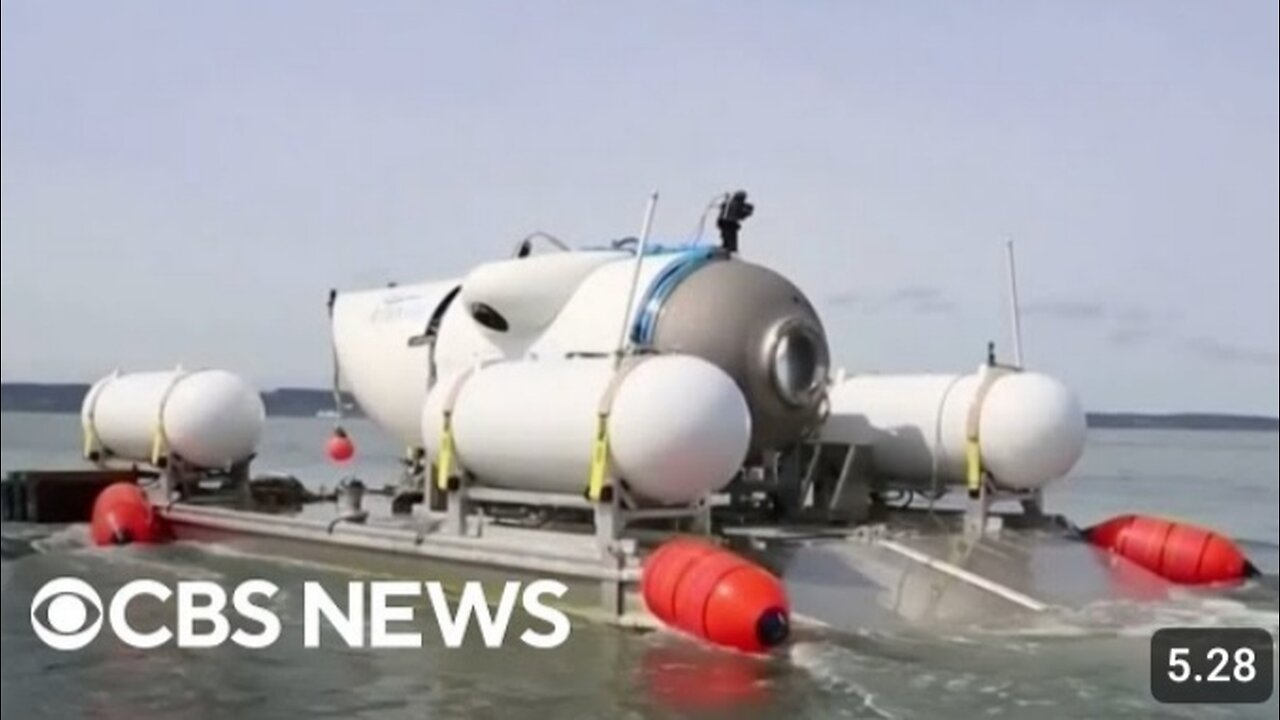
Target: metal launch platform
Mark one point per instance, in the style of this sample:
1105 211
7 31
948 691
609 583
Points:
843 539
864 564
844 552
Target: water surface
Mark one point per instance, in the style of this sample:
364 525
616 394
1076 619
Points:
1087 663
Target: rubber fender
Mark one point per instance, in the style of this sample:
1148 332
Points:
716 595
122 515
664 569
1180 552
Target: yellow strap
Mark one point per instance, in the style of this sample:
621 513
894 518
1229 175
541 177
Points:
987 376
444 463
598 480
91 441
973 458
160 441
599 459
448 451
157 443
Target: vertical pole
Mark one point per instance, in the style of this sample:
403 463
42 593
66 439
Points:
1015 319
455 514
335 380
641 248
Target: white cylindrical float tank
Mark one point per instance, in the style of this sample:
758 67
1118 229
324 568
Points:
208 418
678 426
1031 428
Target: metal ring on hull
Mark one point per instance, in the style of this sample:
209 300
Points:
646 321
798 363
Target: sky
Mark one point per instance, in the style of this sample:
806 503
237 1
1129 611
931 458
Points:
184 182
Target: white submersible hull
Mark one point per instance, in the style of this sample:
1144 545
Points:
523 352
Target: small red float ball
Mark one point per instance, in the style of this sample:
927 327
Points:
340 448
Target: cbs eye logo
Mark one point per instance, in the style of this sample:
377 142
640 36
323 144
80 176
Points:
67 622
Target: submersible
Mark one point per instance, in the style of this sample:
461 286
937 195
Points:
568 411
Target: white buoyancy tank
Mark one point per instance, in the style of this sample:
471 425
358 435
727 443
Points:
208 418
678 427
1031 429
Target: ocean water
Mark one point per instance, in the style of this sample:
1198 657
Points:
1090 662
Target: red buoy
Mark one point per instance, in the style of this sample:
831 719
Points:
1179 552
716 595
122 514
340 448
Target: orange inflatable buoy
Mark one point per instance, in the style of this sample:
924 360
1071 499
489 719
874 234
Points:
716 595
122 514
1179 552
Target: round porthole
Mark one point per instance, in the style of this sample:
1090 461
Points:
799 364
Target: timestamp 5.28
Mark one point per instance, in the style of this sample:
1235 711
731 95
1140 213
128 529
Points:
1212 665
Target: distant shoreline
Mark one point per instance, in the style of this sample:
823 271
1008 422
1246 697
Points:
310 402
1181 421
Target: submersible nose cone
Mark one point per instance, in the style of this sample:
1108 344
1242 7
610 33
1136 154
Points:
773 627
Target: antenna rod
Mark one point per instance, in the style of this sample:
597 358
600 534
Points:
641 247
1015 314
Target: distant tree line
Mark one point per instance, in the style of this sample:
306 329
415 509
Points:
307 402
67 398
